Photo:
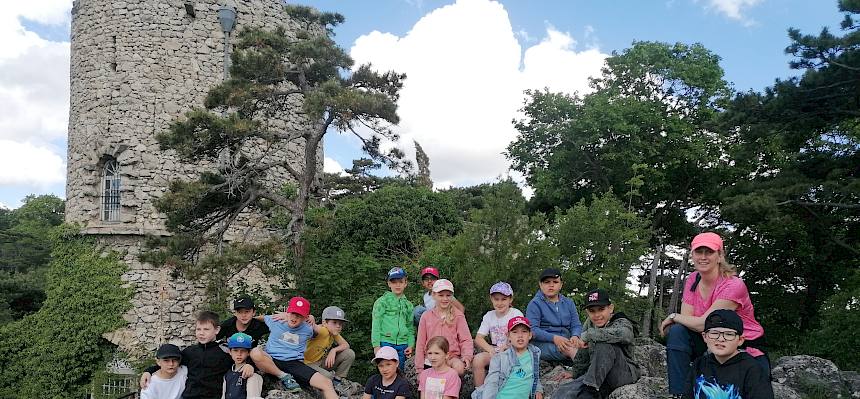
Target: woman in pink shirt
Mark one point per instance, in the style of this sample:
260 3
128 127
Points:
447 321
714 285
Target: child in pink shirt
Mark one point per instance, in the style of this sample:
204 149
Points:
448 322
440 381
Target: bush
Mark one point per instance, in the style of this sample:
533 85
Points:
55 352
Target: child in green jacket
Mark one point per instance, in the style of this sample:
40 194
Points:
392 318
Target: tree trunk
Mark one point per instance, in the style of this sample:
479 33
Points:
661 283
652 284
674 301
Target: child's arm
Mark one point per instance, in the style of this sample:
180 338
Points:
467 348
481 342
534 316
366 396
376 323
421 342
342 345
620 332
223 387
757 385
575 324
411 328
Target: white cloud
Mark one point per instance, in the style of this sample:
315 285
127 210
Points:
332 166
34 94
733 8
465 83
29 165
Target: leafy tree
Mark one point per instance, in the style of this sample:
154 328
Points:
55 352
25 247
599 242
796 151
284 89
498 243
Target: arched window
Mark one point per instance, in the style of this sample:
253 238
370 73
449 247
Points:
110 192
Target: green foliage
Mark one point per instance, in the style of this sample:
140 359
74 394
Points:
643 134
600 242
25 246
498 243
840 316
55 352
351 247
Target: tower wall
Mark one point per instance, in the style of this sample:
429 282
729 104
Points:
136 66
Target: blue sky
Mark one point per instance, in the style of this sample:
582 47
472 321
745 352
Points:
467 61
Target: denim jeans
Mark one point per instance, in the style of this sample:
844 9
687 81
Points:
401 353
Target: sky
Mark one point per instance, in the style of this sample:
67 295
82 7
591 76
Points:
467 64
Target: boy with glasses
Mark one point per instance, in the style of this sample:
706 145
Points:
725 371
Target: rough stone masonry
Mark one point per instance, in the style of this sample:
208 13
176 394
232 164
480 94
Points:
136 66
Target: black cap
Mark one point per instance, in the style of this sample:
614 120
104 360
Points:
597 297
724 318
551 272
168 351
243 303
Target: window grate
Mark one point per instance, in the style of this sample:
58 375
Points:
110 193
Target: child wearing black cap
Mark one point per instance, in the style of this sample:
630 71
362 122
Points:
169 381
726 370
605 359
554 319
243 321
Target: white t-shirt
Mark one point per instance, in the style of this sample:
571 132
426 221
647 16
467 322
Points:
160 388
429 302
497 327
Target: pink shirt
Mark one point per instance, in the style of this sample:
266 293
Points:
731 289
459 338
436 385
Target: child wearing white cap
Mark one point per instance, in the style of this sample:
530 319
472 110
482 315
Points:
449 322
389 383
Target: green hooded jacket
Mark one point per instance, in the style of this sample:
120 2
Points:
392 321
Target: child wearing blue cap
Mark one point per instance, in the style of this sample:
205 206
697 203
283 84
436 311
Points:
392 318
495 326
236 387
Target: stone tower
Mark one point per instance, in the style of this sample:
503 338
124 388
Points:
137 65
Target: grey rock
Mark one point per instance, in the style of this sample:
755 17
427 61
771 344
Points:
852 382
808 374
645 388
783 392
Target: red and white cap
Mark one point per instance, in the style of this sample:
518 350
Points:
443 285
430 270
710 240
517 321
300 306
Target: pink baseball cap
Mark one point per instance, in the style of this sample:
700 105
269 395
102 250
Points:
385 353
443 285
299 305
430 270
710 240
517 321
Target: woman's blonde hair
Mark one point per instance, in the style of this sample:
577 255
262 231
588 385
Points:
726 269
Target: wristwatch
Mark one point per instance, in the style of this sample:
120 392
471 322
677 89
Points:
672 316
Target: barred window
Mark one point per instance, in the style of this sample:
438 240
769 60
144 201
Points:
110 193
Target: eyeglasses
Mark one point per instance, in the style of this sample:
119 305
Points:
727 335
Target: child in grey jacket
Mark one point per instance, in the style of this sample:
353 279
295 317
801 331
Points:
514 372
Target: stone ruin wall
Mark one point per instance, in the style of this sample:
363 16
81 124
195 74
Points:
136 66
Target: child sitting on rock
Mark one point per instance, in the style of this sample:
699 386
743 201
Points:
725 371
236 387
605 360
515 372
494 325
389 383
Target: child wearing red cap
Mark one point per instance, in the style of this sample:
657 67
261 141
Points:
514 372
429 275
285 350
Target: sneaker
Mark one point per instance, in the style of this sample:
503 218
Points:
288 384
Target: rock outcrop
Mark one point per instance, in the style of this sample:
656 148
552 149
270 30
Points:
794 377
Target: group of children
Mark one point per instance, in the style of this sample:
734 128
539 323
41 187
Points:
301 353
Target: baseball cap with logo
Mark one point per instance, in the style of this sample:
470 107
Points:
334 313
243 303
724 318
597 297
385 353
502 288
549 273
300 306
443 285
710 240
239 340
168 351
396 273
431 271
517 321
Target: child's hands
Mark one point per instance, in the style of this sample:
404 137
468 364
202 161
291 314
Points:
563 344
281 317
501 348
247 370
408 352
144 380
538 395
310 320
576 342
329 360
